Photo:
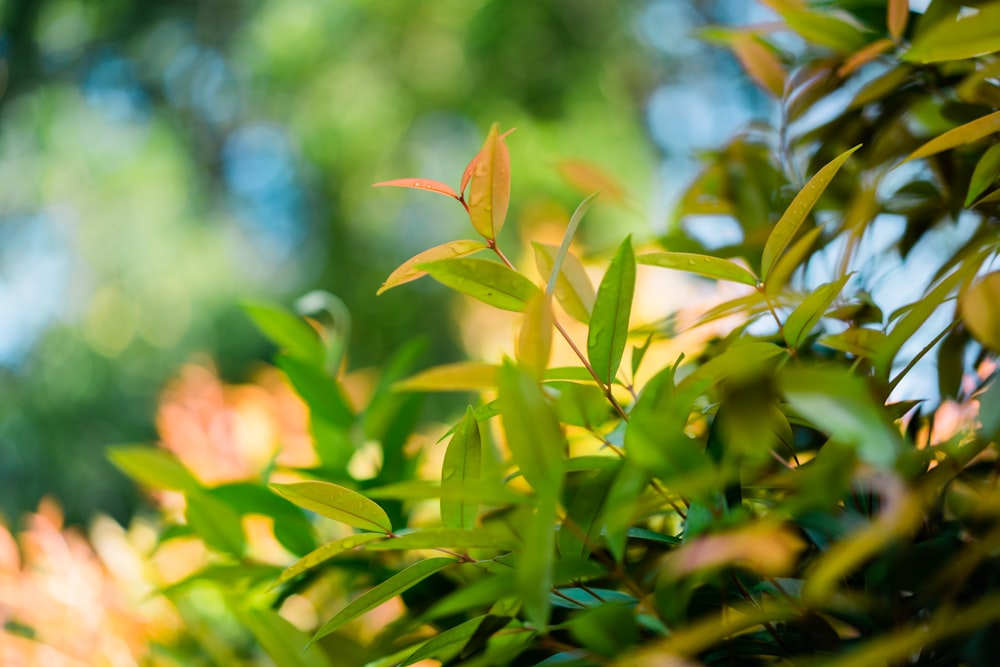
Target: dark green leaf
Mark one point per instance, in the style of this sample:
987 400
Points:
453 538
461 472
612 307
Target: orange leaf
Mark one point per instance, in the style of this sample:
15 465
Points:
587 179
864 56
467 174
408 271
421 184
760 63
489 193
897 14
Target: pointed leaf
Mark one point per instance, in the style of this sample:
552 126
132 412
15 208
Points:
281 640
324 553
612 307
573 289
490 282
408 271
786 265
703 265
420 184
624 494
460 471
319 391
795 215
384 592
965 37
446 645
560 256
980 307
450 538
154 468
534 436
897 14
489 194
338 503
289 332
461 376
534 569
986 173
216 522
760 63
581 529
802 320
825 30
534 340
959 136
484 493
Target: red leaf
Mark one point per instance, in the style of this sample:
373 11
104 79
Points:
489 193
421 184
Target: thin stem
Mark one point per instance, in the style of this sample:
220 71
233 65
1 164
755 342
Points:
767 626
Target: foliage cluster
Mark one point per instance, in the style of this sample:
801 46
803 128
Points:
768 499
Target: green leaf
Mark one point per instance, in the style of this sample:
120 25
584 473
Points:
959 136
461 376
609 629
825 30
384 592
281 640
798 210
579 404
534 340
703 265
482 494
217 523
289 332
572 290
638 353
489 194
792 259
533 572
154 468
319 391
561 253
337 503
477 594
623 499
534 436
980 308
446 645
964 37
325 553
580 530
859 342
802 320
408 271
490 282
986 173
461 472
612 307
452 538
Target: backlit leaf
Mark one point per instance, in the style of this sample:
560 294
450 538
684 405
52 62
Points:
795 215
862 57
154 468
786 265
534 570
965 37
408 271
281 640
534 340
897 15
825 30
573 289
961 135
447 644
801 321
216 522
703 265
534 436
980 308
760 63
420 184
384 592
490 282
324 553
320 391
986 173
612 307
461 376
289 332
338 503
859 342
460 471
489 193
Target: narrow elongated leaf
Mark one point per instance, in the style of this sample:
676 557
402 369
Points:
153 468
534 570
897 15
862 57
560 256
489 193
460 472
859 342
320 391
626 489
786 265
447 644
338 503
483 493
760 63
825 30
420 184
216 522
408 271
534 340
612 307
324 553
959 136
580 530
965 37
451 538
289 332
384 592
802 320
488 281
573 289
703 265
480 593
282 640
534 437
986 174
795 215
980 307
461 376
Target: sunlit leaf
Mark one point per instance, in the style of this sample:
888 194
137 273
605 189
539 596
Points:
338 503
450 538
421 184
965 37
534 436
461 470
825 30
289 332
986 174
703 265
573 289
489 193
791 260
961 135
580 404
324 553
534 340
320 391
787 227
216 522
281 640
408 270
384 592
153 468
980 308
612 307
760 63
490 282
588 179
483 493
801 321
461 376
897 15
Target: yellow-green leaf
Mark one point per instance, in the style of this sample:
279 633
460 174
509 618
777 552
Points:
703 265
216 522
281 640
612 307
959 136
460 472
534 340
288 331
338 503
324 553
490 282
802 320
785 266
965 37
859 342
448 538
825 30
408 271
153 468
489 193
985 174
980 307
795 215
573 289
534 437
461 376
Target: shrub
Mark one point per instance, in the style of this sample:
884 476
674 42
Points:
768 497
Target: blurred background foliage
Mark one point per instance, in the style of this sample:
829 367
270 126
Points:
162 161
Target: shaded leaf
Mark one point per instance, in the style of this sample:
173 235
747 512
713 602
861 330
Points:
319 391
460 472
153 468
580 529
986 173
533 573
980 308
490 282
216 522
573 289
461 376
338 503
489 193
959 136
857 341
483 493
534 436
801 321
446 645
281 640
862 57
964 37
703 265
408 271
612 307
324 553
420 184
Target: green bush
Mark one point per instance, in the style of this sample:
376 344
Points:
767 498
